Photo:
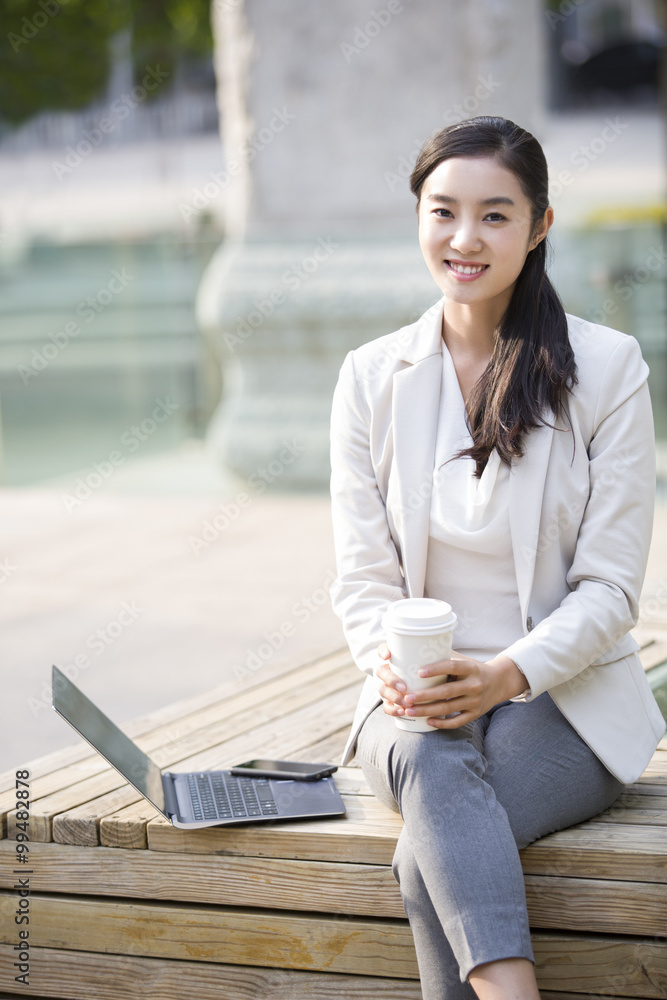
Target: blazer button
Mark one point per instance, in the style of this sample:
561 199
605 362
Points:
529 624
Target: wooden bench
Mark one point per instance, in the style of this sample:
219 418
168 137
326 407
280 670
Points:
124 905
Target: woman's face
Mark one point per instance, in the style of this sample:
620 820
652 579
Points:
475 229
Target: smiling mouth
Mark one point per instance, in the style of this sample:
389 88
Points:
466 268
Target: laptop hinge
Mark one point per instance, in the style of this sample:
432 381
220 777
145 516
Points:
170 801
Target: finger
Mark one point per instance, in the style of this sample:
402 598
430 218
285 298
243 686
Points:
383 651
440 692
389 708
386 674
455 722
459 666
433 708
391 695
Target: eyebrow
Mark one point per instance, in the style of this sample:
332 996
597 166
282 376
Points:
445 199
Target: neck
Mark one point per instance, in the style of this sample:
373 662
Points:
471 329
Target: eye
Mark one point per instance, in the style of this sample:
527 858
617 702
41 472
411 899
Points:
446 210
497 217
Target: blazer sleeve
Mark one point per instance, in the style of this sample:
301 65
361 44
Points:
369 574
607 572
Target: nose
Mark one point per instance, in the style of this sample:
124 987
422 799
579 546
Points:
466 239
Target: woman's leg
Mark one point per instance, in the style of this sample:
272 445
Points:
547 778
527 754
543 774
456 860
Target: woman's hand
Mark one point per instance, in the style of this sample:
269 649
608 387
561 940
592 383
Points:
473 687
391 687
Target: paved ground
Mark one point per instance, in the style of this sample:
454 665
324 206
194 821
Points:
127 590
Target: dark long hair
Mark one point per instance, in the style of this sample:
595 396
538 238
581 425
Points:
532 367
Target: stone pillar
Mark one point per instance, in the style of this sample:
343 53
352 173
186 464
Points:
323 110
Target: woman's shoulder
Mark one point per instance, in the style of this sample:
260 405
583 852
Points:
610 366
593 343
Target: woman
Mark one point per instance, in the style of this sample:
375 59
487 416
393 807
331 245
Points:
496 454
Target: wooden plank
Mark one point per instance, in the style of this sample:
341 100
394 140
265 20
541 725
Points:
648 788
563 903
127 828
353 889
191 731
367 835
631 853
82 975
632 967
281 722
238 936
598 850
596 905
630 808
329 748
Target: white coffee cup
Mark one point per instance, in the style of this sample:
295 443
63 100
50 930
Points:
419 631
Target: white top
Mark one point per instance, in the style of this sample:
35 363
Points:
470 562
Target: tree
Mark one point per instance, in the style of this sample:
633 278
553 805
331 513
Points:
55 54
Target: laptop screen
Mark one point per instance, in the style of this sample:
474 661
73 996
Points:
102 734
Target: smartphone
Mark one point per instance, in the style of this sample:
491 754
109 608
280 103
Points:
297 770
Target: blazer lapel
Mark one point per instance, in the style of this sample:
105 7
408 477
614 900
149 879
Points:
526 490
415 406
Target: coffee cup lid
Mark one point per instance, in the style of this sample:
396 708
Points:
418 614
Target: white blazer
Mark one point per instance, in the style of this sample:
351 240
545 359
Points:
581 512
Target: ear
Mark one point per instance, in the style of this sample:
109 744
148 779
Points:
543 228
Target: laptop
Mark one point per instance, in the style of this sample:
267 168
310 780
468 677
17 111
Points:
199 798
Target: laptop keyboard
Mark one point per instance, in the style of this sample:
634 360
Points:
218 795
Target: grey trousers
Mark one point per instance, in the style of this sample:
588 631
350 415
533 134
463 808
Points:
470 799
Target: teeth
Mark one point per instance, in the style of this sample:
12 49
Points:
467 269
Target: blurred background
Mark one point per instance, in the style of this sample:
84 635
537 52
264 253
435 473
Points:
203 207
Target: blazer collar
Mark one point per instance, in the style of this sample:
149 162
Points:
424 338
